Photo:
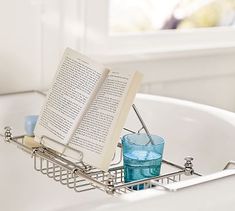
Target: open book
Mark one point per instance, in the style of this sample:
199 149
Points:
86 109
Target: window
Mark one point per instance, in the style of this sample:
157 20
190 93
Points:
150 15
105 34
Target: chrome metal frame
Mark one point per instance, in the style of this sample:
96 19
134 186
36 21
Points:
229 164
82 177
24 92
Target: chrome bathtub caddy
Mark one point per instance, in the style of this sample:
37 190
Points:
82 177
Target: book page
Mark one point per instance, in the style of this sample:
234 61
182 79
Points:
98 133
76 83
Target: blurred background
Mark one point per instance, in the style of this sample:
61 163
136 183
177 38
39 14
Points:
151 15
185 48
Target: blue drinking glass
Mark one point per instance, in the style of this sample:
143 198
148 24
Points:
30 123
142 158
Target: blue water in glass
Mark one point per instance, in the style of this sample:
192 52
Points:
141 161
141 164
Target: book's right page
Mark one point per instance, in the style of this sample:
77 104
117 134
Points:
99 132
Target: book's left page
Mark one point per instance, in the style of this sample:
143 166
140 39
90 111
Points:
74 87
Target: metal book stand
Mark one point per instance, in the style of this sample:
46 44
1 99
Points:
82 177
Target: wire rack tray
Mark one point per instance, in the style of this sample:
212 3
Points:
82 177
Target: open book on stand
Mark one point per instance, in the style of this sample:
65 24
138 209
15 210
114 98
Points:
85 109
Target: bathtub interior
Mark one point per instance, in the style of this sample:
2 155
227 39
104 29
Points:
205 133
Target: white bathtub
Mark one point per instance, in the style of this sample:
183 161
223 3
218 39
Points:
206 133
